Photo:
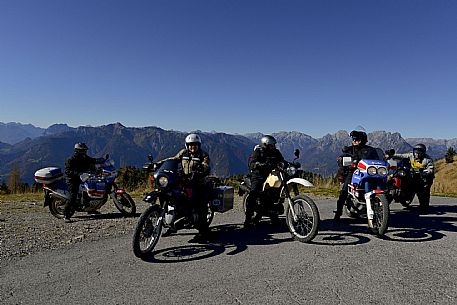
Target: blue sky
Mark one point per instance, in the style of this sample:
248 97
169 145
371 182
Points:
233 66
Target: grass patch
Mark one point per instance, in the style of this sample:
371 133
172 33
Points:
26 197
320 191
452 195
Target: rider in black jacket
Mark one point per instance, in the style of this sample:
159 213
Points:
358 151
264 159
75 165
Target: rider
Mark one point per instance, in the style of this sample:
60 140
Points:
358 151
424 165
264 159
75 165
195 163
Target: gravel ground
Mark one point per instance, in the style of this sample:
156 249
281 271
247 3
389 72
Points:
28 227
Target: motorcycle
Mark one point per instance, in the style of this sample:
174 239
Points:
406 181
400 182
368 193
302 215
94 191
170 204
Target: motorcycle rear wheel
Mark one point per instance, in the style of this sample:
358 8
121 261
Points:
380 205
125 204
304 228
210 215
57 206
147 231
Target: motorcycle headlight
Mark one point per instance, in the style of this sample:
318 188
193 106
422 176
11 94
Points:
382 171
371 170
163 181
401 173
291 171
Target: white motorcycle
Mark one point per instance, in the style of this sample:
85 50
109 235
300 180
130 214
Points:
302 215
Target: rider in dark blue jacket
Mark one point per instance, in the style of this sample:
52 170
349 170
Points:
75 165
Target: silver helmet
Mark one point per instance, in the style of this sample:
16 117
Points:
193 138
267 140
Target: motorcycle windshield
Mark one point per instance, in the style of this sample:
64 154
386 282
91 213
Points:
373 154
169 166
169 169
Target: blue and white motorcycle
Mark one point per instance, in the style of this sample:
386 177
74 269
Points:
368 193
94 191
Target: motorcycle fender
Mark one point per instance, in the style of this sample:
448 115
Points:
151 197
300 181
370 212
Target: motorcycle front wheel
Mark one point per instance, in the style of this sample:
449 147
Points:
147 231
57 206
125 204
306 223
380 206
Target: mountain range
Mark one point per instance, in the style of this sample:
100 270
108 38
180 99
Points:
31 148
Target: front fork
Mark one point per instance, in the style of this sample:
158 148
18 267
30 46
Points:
370 212
289 199
114 191
368 195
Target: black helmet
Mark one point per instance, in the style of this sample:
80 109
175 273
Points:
419 150
267 140
81 148
359 135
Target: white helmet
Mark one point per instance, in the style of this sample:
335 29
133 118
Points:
193 138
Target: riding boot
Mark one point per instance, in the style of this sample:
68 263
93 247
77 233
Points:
340 204
248 221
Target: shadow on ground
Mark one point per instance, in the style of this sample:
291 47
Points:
229 238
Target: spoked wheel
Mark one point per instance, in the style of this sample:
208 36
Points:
147 231
57 206
125 204
354 209
306 223
210 214
378 225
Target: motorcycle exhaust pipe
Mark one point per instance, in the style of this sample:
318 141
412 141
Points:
58 196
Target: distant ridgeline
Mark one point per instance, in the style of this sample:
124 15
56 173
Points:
130 146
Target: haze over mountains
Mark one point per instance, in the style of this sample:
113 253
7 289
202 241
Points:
32 147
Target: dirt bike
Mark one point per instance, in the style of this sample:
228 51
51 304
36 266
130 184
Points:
94 191
302 215
171 204
368 193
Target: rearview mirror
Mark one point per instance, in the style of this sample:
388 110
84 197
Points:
347 161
